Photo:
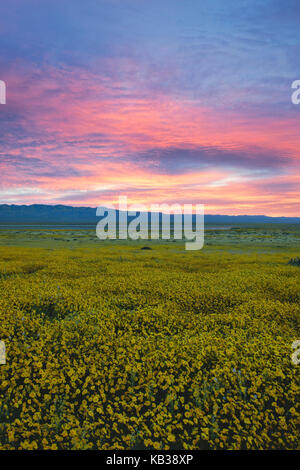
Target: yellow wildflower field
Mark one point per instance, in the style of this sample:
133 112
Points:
113 347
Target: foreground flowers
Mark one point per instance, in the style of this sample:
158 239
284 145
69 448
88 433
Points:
118 348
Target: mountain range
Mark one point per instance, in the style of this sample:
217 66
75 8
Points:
42 214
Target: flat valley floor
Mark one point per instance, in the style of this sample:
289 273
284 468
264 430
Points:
113 346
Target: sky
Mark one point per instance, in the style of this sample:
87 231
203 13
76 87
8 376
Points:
164 101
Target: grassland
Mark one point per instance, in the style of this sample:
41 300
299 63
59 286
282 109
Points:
110 346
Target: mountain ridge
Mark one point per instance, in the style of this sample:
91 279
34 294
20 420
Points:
64 214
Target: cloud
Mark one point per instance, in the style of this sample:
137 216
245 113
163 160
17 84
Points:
184 160
125 96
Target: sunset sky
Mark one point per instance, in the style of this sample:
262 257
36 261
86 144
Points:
185 101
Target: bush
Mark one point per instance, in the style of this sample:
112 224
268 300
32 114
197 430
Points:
295 261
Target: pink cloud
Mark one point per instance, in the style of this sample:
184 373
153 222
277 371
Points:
78 137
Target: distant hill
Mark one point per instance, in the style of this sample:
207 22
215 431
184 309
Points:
42 214
46 214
